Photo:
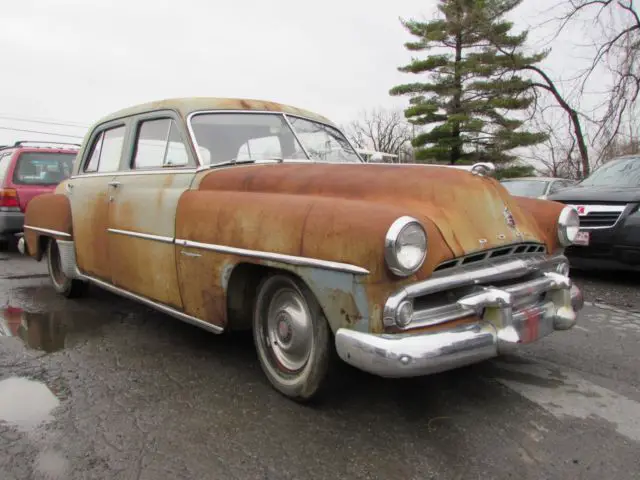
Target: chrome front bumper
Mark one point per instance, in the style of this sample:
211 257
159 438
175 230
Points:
500 329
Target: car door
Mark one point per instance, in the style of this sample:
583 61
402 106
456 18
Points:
88 193
143 210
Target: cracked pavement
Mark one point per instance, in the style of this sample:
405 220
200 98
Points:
104 388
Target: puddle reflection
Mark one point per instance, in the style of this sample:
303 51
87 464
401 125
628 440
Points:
41 331
26 403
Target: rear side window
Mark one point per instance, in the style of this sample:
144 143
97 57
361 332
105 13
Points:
5 161
159 145
106 151
41 168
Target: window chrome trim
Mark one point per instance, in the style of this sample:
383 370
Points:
146 236
277 257
46 230
157 171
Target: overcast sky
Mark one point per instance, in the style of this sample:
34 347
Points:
76 60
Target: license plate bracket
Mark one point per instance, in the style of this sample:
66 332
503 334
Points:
583 238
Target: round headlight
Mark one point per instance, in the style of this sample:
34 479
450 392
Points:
405 246
568 226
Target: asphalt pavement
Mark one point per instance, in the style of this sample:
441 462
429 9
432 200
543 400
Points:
104 388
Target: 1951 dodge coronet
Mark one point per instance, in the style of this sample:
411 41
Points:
232 214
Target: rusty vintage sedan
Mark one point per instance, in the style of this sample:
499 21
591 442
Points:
245 214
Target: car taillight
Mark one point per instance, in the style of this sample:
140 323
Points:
9 199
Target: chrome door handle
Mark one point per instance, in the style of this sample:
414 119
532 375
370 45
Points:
115 184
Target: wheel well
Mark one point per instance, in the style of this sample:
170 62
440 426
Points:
242 289
241 294
43 242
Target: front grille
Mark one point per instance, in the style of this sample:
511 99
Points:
528 278
503 252
597 215
599 219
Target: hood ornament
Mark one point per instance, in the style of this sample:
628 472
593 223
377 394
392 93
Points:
483 169
508 217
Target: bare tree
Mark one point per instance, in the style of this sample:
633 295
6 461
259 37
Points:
559 155
625 142
617 50
382 130
543 82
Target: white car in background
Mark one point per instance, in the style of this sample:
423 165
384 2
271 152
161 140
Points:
536 187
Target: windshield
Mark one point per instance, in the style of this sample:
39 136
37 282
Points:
623 172
323 142
241 137
43 168
526 188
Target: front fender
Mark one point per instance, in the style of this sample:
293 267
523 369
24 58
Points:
546 214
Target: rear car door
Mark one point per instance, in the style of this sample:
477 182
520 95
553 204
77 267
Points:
89 191
143 212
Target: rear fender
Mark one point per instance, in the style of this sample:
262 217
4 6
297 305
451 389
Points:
48 216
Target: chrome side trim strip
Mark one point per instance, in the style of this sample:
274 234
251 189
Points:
277 257
46 230
158 306
135 172
146 236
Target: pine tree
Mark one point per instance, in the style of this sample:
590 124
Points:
472 83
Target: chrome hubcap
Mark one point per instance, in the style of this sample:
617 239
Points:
289 329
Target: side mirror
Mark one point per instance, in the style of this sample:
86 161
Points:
376 158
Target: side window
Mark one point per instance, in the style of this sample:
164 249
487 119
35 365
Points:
159 145
106 151
5 160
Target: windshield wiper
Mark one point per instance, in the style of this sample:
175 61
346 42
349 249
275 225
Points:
243 161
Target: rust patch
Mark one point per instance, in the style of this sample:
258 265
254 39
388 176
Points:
546 214
355 204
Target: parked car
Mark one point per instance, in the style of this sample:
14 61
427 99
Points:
536 187
28 169
608 202
231 214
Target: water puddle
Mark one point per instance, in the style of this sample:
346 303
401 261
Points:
25 403
42 331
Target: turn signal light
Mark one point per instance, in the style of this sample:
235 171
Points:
9 199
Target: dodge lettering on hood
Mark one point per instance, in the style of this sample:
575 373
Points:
247 214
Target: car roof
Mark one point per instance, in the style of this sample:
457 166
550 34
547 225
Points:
187 105
22 149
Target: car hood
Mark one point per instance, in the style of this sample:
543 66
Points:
471 212
597 194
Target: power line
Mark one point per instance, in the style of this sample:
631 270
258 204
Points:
40 132
47 122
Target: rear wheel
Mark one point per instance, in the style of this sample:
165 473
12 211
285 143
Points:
292 337
64 285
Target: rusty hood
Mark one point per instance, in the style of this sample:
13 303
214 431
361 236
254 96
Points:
471 212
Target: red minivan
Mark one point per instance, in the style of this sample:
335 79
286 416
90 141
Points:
28 169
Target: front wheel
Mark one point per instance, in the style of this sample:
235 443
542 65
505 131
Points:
64 285
292 337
